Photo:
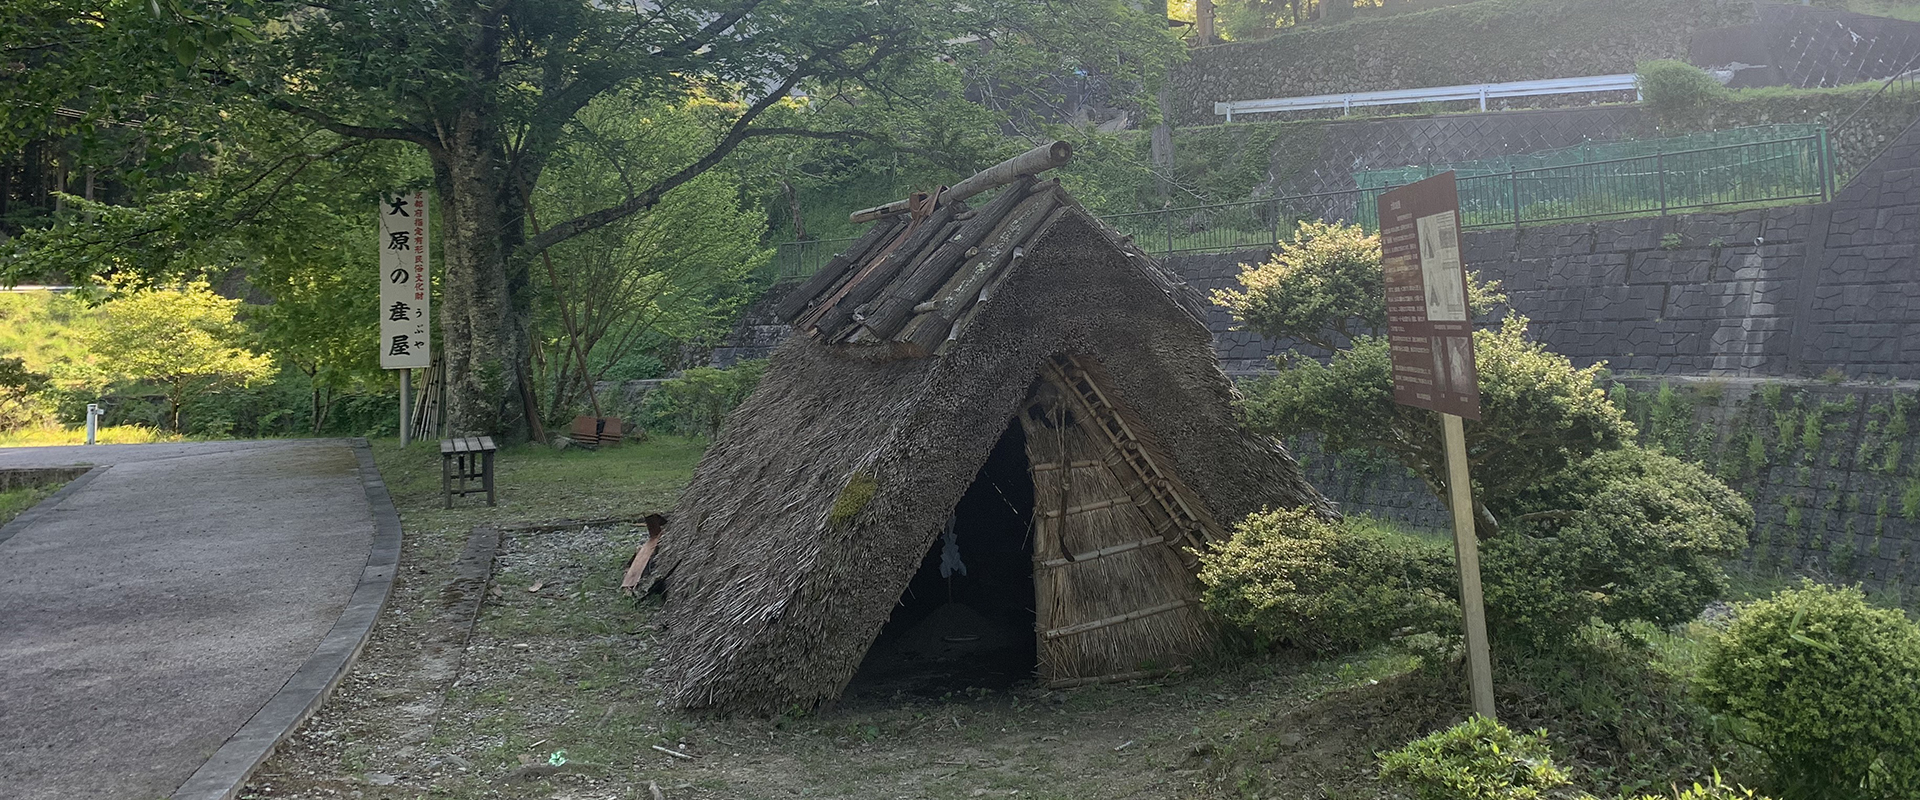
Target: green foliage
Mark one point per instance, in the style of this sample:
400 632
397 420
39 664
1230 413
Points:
697 402
1538 413
1479 759
20 388
1323 586
633 291
1627 534
183 341
1712 790
1324 287
1675 89
1828 688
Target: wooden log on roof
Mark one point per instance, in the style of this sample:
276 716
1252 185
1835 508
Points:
836 320
894 308
959 290
947 311
1032 162
803 295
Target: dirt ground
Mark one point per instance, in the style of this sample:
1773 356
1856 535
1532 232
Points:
554 694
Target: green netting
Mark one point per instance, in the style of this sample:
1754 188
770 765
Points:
1739 165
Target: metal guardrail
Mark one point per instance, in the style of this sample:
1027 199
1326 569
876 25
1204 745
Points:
1435 94
1784 170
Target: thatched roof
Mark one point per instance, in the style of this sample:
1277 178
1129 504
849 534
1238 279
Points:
813 507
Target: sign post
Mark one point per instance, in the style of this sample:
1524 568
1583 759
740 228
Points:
405 296
1430 333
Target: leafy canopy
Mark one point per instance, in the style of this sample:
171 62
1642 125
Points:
184 341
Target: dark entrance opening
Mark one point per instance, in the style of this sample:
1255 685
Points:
966 620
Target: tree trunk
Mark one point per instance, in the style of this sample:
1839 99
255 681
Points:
483 307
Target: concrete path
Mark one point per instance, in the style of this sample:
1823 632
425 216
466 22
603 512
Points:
155 610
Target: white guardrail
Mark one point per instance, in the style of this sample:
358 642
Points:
1479 91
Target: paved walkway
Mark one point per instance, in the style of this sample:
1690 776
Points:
151 613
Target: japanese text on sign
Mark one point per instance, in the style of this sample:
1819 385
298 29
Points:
1429 328
405 297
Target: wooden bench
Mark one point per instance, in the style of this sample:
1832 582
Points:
466 458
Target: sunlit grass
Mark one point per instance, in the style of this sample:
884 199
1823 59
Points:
118 434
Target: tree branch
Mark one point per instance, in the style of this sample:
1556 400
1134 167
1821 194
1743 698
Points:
356 131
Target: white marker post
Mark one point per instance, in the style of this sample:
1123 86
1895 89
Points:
406 341
1430 334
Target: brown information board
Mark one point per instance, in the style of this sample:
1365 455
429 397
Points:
1429 326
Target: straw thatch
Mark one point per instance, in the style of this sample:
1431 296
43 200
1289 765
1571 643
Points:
814 506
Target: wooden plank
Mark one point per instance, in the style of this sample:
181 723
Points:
802 296
1466 548
896 307
1117 619
486 443
836 319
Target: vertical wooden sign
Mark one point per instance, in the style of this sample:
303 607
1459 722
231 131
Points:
406 294
1430 333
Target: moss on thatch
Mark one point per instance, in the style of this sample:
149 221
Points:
852 498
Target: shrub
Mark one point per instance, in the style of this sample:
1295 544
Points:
1538 413
1323 288
1479 759
1711 791
1629 534
1828 688
1289 576
698 401
1676 90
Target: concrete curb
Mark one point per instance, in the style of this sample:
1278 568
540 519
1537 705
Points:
45 507
223 775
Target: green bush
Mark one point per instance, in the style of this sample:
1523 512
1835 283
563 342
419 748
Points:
1628 534
1289 576
698 401
1676 90
1828 688
1479 759
1710 791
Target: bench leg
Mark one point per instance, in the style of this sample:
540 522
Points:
486 474
446 481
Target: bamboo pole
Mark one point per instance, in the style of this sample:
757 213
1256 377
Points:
1032 162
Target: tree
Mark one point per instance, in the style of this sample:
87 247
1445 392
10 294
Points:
489 90
184 341
674 273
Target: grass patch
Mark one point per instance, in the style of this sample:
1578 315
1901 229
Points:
14 502
540 484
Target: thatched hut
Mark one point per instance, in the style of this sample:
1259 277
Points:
1005 409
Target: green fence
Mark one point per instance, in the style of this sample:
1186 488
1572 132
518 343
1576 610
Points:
1768 164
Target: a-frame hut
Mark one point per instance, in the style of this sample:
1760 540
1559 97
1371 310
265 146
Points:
1009 389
